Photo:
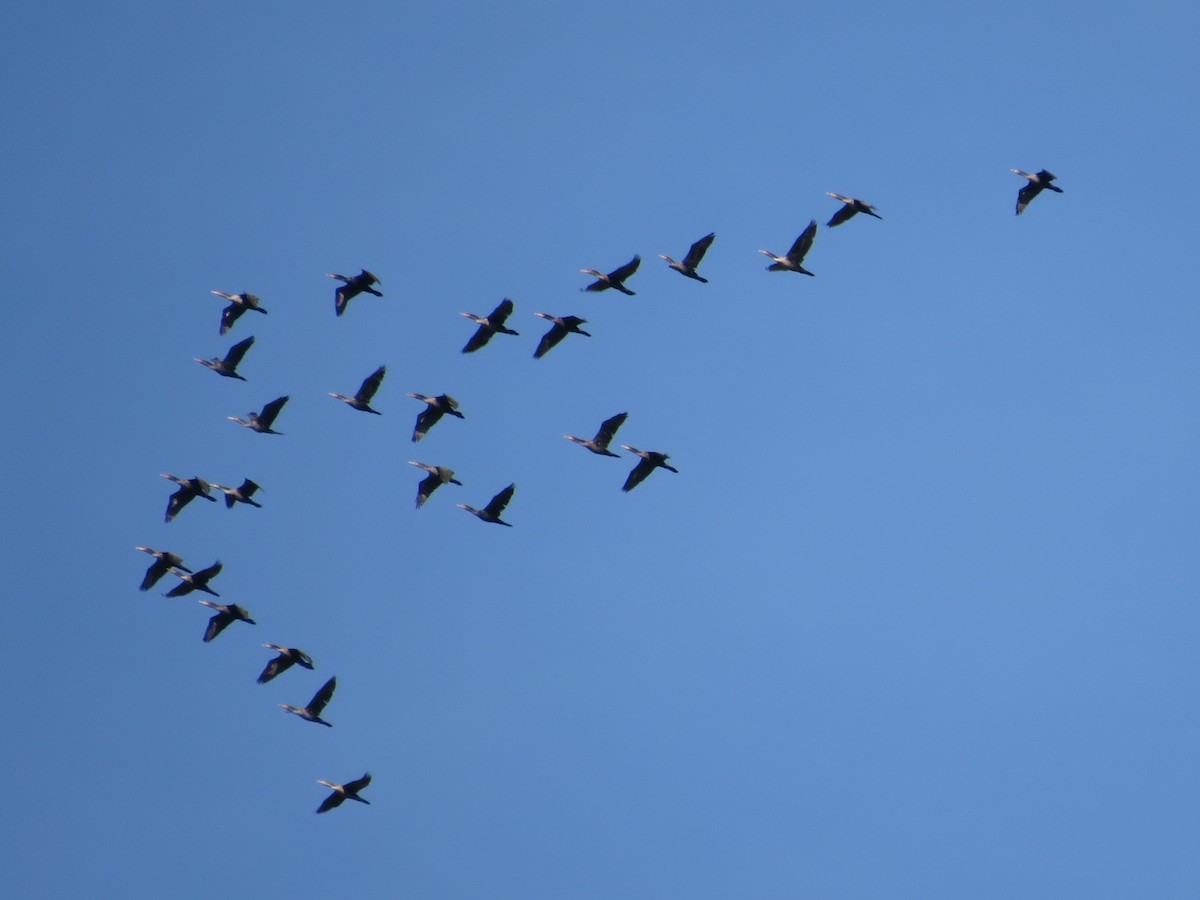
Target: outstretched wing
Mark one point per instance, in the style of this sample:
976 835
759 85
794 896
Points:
482 335
697 250
322 697
608 430
496 506
231 314
626 270
333 801
1026 194
803 243
550 339
501 313
271 410
279 664
353 787
638 475
370 385
217 624
844 214
237 351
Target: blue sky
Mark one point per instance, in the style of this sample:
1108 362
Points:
915 619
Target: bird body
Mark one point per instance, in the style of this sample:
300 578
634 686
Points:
438 475
227 614
262 421
194 581
288 657
650 460
441 405
164 562
344 792
362 283
312 712
850 208
189 490
563 325
599 444
362 400
491 512
243 493
791 262
238 304
1038 182
694 255
614 279
228 365
491 324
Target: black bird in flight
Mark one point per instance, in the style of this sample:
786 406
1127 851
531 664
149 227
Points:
491 324
243 493
227 613
362 400
795 256
694 255
189 490
194 581
650 460
614 279
238 304
344 792
312 712
599 444
288 657
438 475
1037 183
362 283
563 325
262 421
228 365
850 208
164 562
441 405
491 512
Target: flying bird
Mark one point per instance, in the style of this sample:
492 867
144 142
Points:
362 400
243 493
262 421
599 444
1037 183
441 405
795 256
227 613
344 792
194 581
238 304
563 325
312 712
228 365
359 284
650 460
164 562
288 657
491 324
850 208
189 490
438 475
694 255
614 279
491 512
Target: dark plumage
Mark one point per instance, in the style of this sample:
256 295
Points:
288 657
491 324
441 405
650 460
563 325
1038 182
228 365
694 255
491 512
344 792
850 208
262 421
359 284
791 262
194 581
227 613
599 444
438 475
362 400
189 490
243 493
614 279
238 304
312 712
164 562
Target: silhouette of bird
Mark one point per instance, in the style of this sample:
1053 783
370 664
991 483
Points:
240 494
344 792
227 613
312 712
850 208
795 256
194 581
694 255
288 657
1037 183
491 512
441 405
599 444
228 365
362 400
490 324
164 562
238 304
650 461
438 475
359 284
614 279
563 325
262 421
189 490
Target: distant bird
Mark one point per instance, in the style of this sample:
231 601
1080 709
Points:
238 304
262 421
694 255
491 324
312 712
359 284
195 581
438 475
228 365
795 256
189 490
614 279
491 512
441 405
243 493
288 657
563 325
344 792
362 400
226 614
850 208
1037 183
164 562
599 444
650 461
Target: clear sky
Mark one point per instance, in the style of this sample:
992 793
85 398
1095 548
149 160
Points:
917 617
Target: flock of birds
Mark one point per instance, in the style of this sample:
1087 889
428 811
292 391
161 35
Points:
436 407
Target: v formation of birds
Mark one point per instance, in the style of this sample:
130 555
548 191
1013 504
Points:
436 407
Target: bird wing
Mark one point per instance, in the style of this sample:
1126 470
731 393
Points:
482 335
626 270
426 419
428 485
322 697
599 284
353 787
638 475
248 488
845 213
343 295
230 314
697 250
278 664
217 624
211 572
803 243
550 339
333 801
271 410
496 505
370 385
501 313
1026 194
237 351
608 430
177 501
157 570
